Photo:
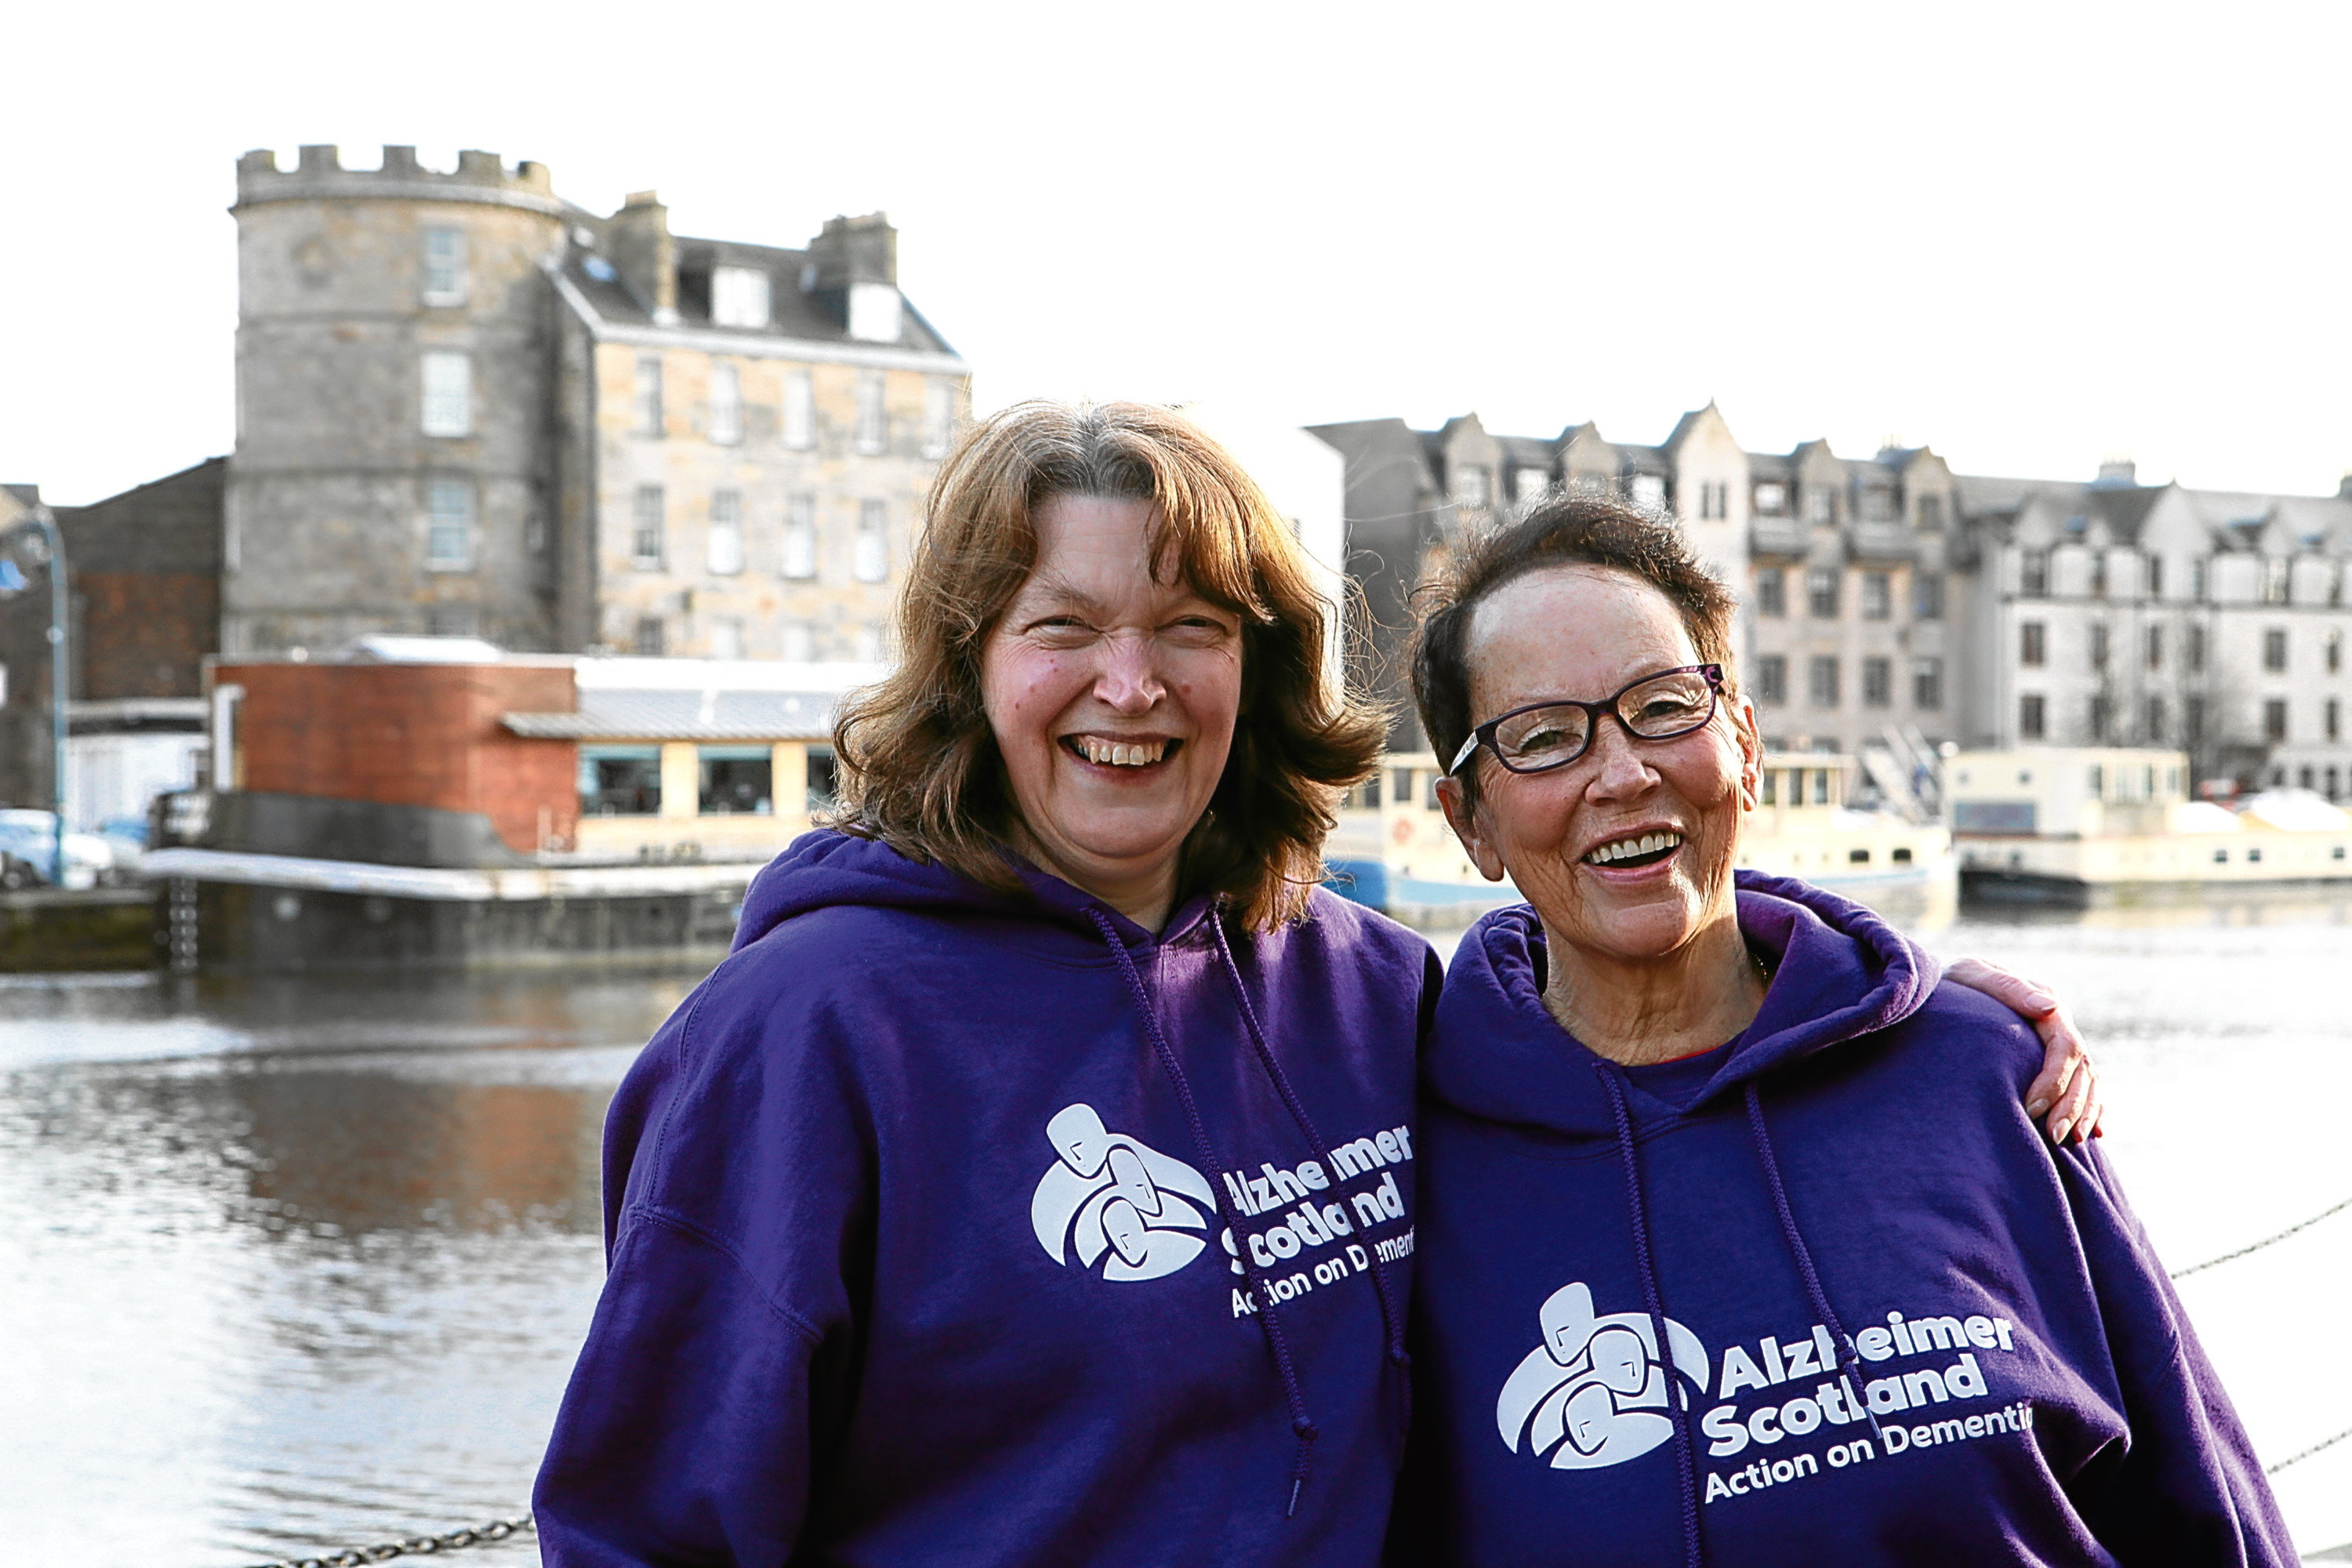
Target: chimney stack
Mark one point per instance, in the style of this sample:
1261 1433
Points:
644 255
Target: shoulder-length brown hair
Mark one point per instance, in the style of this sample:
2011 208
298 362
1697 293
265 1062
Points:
920 769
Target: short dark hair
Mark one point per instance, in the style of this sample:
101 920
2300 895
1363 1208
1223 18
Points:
1563 531
921 767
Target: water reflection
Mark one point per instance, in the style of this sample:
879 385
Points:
282 1265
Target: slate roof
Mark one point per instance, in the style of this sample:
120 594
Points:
626 713
806 318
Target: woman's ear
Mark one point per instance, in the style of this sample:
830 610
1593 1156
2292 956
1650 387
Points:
1465 819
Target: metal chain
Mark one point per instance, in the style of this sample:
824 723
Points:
2325 1443
413 1546
2258 1245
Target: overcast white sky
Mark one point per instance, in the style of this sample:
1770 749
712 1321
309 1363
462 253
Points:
2028 234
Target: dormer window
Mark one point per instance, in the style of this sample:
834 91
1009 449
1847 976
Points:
1823 506
1649 492
1771 499
444 265
1474 486
739 297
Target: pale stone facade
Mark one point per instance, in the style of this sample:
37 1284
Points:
466 406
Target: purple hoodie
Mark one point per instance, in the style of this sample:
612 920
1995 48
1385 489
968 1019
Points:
1899 1326
945 1226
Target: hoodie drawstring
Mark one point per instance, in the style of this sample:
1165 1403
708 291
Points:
1849 1360
1677 1407
1392 1311
1276 1340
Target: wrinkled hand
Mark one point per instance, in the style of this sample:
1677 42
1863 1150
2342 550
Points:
2068 1086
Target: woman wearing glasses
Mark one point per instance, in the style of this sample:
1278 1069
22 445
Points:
1737 1242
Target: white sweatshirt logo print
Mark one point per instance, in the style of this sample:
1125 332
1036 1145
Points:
1590 1393
1109 1194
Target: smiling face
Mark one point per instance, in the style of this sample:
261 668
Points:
1626 852
1112 694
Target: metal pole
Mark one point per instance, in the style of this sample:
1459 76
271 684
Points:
53 542
58 685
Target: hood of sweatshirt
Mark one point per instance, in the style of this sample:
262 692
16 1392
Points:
1839 972
834 870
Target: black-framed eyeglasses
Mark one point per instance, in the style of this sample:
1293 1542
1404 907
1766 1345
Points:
1546 735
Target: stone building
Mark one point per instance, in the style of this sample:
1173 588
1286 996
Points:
466 406
2112 613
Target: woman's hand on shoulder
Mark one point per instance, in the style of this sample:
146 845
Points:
2067 1089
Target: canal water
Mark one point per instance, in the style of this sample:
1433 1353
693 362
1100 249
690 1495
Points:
287 1265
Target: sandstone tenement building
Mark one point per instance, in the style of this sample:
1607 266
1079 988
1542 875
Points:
466 405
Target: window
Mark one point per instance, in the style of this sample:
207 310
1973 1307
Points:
2196 579
1401 785
1772 679
2098 781
872 560
799 411
873 434
2196 650
1771 591
725 555
647 537
448 393
1820 503
735 781
2332 648
2274 570
1472 485
2193 714
2155 576
1529 485
799 537
939 417
1877 504
2028 717
444 265
2155 720
1877 596
823 778
2275 648
2033 573
1771 793
1713 500
1649 492
449 522
2274 718
2098 645
1928 684
2098 573
2156 648
1931 511
726 636
2031 643
620 781
649 396
1822 681
1821 787
726 404
1926 596
1821 592
652 638
1771 499
2101 714
1877 683
739 297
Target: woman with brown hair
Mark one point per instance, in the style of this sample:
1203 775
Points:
1034 1181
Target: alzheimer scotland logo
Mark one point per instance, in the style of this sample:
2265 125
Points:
1109 1196
1591 1394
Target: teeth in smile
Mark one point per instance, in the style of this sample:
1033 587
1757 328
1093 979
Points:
1121 753
1632 848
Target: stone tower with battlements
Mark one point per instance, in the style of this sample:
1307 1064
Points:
392 466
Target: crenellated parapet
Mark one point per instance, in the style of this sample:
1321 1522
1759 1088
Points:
319 174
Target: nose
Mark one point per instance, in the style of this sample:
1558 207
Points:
1129 680
1621 772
